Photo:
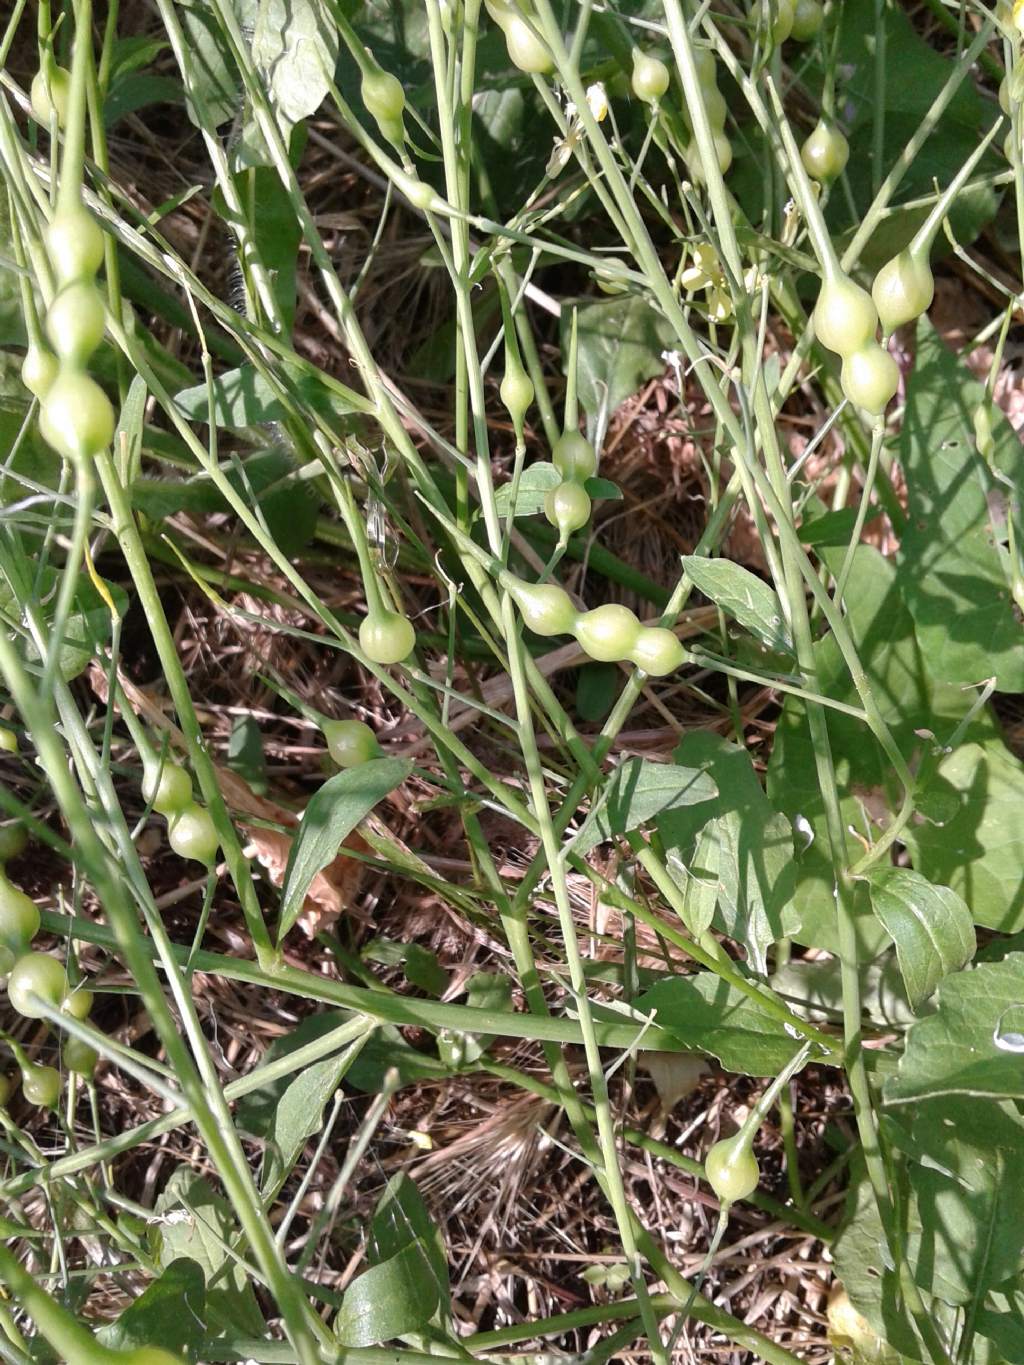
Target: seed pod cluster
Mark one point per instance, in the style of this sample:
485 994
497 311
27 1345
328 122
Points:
75 416
716 109
36 980
567 506
191 832
608 634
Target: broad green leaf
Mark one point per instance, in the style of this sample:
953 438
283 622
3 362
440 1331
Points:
930 926
1003 1324
908 699
331 815
422 968
966 1171
907 102
277 234
603 490
708 1015
968 1046
389 1300
245 753
536 480
745 850
295 51
814 989
243 398
620 347
211 88
88 626
130 93
299 1114
831 528
636 792
861 1262
387 1050
401 1219
741 595
255 1113
171 1311
597 686
978 848
201 1229
697 875
953 580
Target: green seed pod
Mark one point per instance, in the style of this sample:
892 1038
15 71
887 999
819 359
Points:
384 99
567 507
36 978
732 1169
546 608
607 634
78 1003
704 61
75 322
781 24
387 638
40 1085
574 457
525 49
650 77
825 152
844 316
350 743
657 651
49 95
723 150
75 417
808 16
516 392
870 378
13 839
38 370
79 1057
74 244
19 914
192 834
983 438
167 789
903 290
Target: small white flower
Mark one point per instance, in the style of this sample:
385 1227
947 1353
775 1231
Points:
597 101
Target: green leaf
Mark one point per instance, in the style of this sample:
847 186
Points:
423 970
245 753
299 1114
201 1231
211 72
170 1311
536 480
401 1219
814 989
909 700
1005 1329
907 102
966 1171
744 851
978 848
388 1050
243 398
331 815
697 876
741 595
296 53
636 792
706 1014
620 347
278 234
967 1046
389 1300
954 581
603 490
597 686
129 94
831 528
930 926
